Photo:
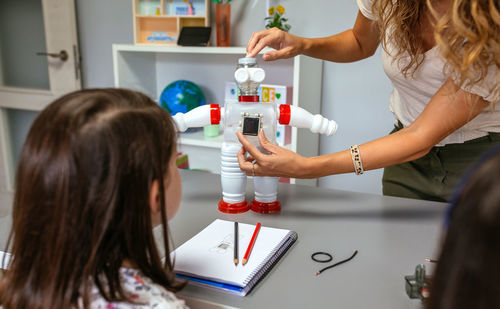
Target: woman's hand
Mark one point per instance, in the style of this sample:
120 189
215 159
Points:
280 162
285 44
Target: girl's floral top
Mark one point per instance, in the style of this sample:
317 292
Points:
141 292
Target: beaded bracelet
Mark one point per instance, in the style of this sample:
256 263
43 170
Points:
356 160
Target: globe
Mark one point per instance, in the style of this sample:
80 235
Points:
181 96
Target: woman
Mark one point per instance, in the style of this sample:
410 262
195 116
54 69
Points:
442 122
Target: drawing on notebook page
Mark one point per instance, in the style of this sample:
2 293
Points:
227 244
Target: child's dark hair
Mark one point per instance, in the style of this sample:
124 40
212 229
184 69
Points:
81 201
469 266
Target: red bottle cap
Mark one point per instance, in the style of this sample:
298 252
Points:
249 98
214 114
233 208
265 208
285 114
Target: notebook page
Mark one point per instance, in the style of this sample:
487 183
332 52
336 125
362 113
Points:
210 253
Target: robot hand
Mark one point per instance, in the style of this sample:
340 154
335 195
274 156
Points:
298 117
322 125
199 117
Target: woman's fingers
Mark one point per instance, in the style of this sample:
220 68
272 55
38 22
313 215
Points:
242 152
268 40
273 38
284 53
249 147
266 144
253 47
270 56
286 45
256 36
251 44
245 165
250 165
275 161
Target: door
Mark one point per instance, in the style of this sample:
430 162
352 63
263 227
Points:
39 61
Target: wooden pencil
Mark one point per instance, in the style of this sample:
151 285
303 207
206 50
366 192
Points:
250 245
236 243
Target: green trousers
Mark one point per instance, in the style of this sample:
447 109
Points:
435 175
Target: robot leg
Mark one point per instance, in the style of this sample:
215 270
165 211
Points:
233 181
266 195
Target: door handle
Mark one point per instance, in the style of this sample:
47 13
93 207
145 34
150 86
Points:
62 55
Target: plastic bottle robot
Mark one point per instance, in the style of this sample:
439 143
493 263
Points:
249 115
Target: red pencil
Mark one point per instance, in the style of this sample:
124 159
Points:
250 245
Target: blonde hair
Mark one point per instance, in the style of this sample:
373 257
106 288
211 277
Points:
400 24
468 37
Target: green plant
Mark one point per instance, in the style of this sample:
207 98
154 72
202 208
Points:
221 1
276 19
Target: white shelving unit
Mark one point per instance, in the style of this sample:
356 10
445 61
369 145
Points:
150 68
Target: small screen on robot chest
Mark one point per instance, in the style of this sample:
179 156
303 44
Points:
251 125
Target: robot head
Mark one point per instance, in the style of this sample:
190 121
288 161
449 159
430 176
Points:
248 76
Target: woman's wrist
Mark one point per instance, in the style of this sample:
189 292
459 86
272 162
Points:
308 167
332 164
306 46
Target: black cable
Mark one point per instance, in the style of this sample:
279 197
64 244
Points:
338 263
328 256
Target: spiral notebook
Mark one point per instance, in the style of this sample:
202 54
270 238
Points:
207 258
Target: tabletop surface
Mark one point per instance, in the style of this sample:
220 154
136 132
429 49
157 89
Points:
392 235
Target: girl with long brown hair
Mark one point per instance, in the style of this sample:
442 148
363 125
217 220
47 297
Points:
97 173
468 268
443 59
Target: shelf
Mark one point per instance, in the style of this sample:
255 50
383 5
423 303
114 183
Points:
189 16
169 16
154 16
197 138
150 48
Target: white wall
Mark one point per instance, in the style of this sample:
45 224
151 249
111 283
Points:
100 24
355 95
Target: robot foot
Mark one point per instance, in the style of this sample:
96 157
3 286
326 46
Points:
233 208
265 208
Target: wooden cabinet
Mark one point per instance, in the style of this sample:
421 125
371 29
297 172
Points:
159 22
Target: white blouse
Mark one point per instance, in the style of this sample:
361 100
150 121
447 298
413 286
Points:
411 94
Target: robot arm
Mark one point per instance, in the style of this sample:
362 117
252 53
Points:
298 117
199 117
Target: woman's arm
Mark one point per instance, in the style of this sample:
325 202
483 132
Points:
448 110
351 45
